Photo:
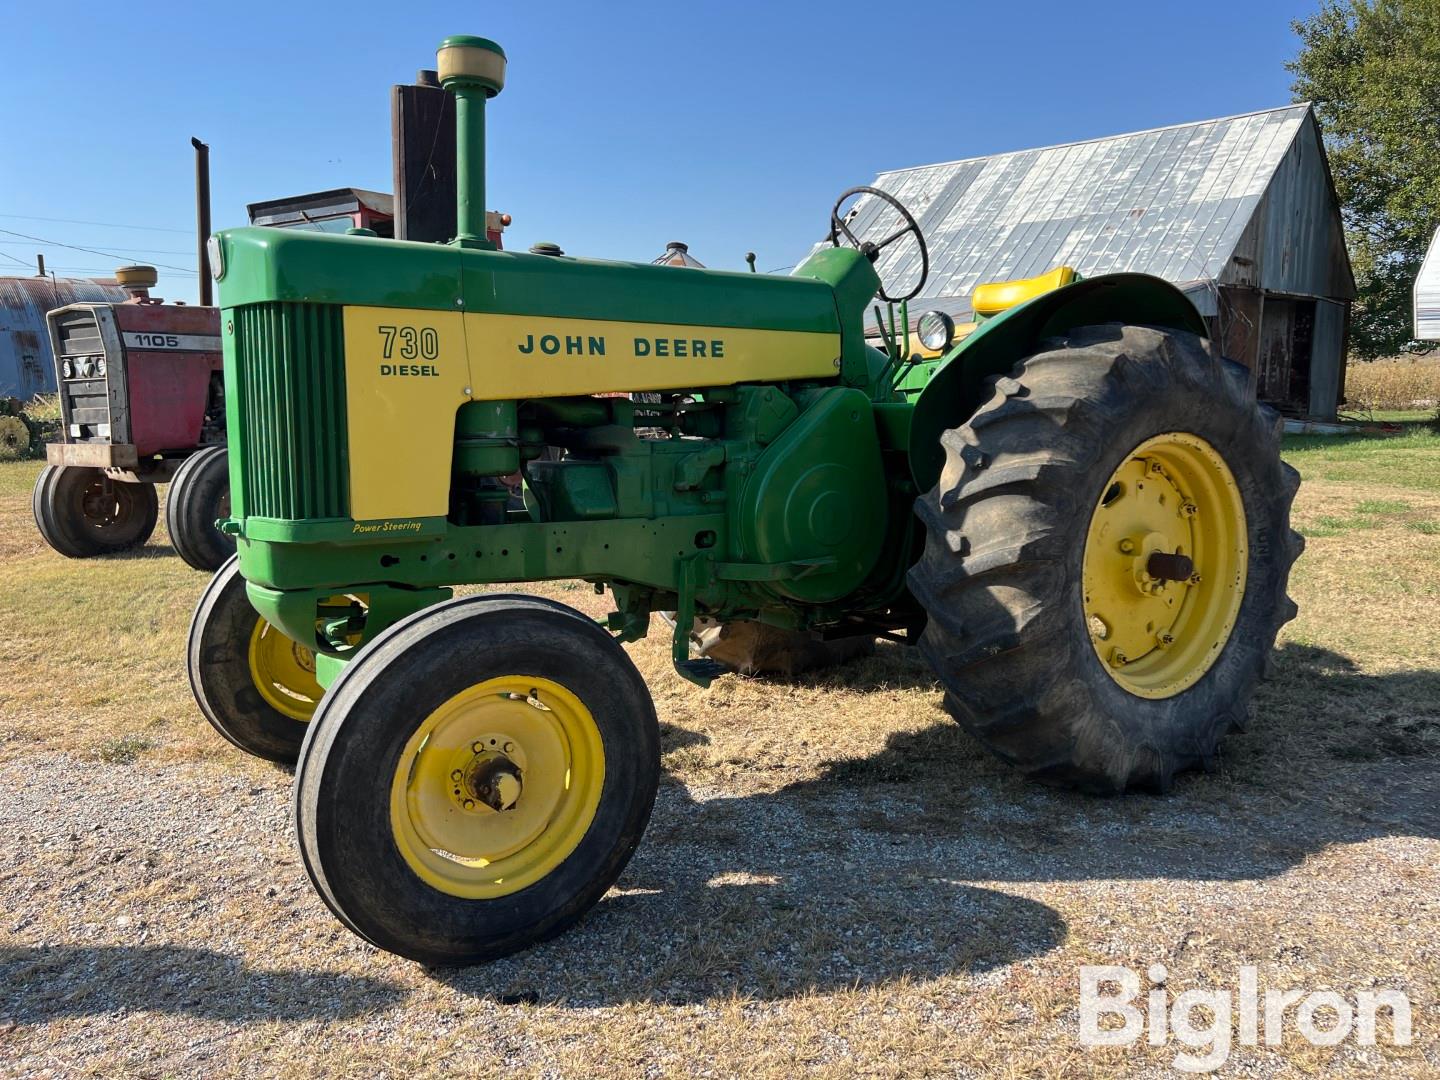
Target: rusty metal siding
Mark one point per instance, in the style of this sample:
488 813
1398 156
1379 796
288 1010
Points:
27 366
1176 202
1297 242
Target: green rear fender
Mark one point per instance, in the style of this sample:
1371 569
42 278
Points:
957 388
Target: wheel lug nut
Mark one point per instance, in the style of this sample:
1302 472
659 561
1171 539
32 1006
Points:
1127 546
457 775
477 747
469 804
509 748
1189 509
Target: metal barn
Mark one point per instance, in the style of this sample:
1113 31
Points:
27 366
1239 212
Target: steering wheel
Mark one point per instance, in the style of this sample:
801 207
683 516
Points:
840 227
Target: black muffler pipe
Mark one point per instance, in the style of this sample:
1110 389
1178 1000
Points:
202 218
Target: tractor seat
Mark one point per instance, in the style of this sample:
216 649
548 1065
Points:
997 296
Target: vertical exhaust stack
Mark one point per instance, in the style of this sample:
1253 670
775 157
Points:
473 69
202 218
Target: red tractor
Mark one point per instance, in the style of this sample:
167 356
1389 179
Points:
141 393
142 403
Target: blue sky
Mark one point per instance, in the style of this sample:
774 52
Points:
622 126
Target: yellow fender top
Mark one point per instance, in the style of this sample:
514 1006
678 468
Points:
997 296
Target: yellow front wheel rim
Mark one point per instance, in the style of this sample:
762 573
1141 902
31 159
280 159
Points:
497 786
1155 632
283 671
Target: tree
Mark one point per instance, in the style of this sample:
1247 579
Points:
1371 68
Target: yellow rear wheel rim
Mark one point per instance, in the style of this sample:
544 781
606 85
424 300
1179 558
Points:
283 672
1173 495
497 786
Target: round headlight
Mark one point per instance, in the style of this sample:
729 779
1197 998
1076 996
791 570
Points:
936 331
67 369
100 366
217 257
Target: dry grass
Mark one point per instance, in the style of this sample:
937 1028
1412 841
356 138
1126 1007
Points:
836 882
1407 383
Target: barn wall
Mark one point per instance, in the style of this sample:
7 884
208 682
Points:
1295 243
1327 359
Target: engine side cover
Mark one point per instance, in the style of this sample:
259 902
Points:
818 492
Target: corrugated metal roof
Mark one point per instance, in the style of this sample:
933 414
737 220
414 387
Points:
1172 202
1427 294
27 366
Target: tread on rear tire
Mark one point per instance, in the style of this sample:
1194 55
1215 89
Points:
1007 524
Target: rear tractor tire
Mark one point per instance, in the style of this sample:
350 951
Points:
476 779
82 513
199 496
1107 557
254 685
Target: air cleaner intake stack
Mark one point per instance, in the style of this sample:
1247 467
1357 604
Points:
473 69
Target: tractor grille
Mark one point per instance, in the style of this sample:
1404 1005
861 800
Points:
290 363
84 392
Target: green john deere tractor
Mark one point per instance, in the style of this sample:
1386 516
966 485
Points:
1078 513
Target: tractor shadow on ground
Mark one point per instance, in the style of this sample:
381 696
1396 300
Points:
38 985
860 877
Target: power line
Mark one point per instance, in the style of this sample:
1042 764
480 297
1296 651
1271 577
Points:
146 251
101 224
12 258
88 251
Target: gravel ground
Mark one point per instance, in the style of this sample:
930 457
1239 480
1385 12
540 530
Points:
158 921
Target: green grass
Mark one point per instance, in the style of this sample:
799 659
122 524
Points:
1410 460
1381 506
1394 416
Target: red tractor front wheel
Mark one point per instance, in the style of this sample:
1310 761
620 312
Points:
82 512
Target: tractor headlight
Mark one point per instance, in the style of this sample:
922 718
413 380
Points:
67 369
936 331
217 257
100 367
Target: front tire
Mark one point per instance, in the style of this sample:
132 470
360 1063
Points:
476 779
199 496
255 686
1063 644
82 513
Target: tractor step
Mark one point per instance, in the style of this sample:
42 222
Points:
701 671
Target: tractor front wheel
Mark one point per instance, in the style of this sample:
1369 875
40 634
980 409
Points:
476 779
1108 552
199 496
254 685
81 512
